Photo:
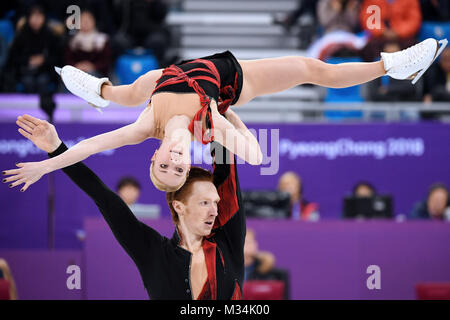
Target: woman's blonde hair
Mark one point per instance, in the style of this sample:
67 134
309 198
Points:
161 185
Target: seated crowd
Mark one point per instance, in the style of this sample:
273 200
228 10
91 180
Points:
36 35
347 29
108 29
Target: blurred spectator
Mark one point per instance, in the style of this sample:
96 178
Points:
400 21
366 203
364 189
338 15
53 22
437 86
34 52
435 10
304 7
257 263
5 273
260 265
437 79
89 49
339 22
435 207
291 183
129 190
389 89
3 51
142 25
307 10
102 10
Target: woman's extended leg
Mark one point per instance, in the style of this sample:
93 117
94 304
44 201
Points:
277 74
99 92
273 75
132 94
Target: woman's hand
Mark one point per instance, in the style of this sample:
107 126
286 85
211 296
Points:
232 117
232 133
36 60
40 132
27 174
228 113
44 136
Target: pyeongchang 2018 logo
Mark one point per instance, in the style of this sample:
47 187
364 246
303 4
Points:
347 147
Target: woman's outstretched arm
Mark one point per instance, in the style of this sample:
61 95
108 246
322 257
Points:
30 172
232 133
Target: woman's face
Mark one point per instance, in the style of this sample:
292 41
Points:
445 60
291 185
36 20
87 22
364 191
129 194
199 210
172 162
437 202
251 245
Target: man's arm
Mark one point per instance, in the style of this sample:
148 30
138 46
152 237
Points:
132 234
129 232
231 215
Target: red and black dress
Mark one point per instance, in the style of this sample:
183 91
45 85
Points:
217 77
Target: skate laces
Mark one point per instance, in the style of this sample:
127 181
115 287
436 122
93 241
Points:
410 55
81 79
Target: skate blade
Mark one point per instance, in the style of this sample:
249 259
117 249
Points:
443 44
411 77
58 70
99 109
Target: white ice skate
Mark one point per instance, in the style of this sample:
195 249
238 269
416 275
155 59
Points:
84 85
412 62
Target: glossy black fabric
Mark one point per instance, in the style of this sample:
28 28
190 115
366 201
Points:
227 66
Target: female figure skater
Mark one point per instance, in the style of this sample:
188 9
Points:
205 257
189 99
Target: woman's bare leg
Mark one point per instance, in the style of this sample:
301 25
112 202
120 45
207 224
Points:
266 76
132 94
